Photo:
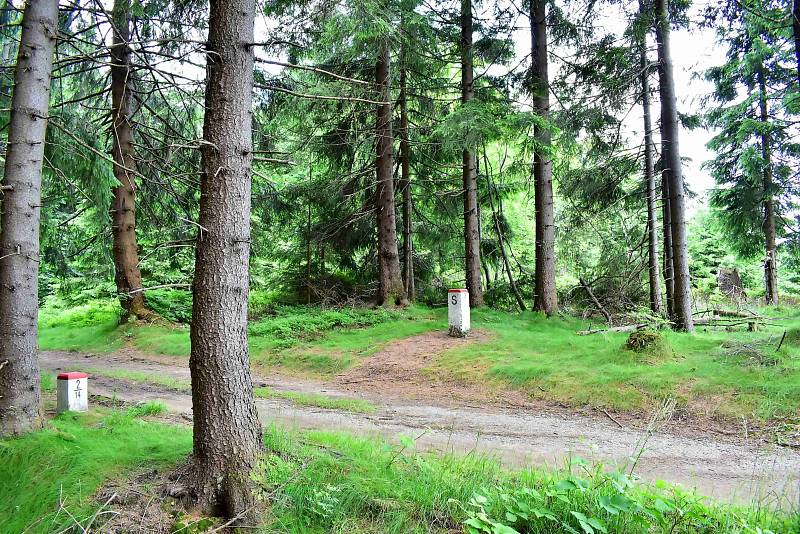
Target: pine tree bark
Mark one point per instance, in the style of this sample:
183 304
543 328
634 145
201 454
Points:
545 298
669 278
21 212
405 187
391 289
127 275
771 250
671 158
227 432
650 180
472 243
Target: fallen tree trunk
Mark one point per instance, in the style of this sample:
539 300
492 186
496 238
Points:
600 307
626 328
730 313
722 322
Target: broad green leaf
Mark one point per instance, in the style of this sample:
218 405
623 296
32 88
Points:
566 485
596 523
499 528
477 524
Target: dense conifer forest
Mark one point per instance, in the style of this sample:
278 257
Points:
241 230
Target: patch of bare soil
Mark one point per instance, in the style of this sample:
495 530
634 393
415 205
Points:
142 504
401 370
126 359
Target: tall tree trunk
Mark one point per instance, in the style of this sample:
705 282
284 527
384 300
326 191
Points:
650 180
123 203
405 187
391 289
21 210
770 266
472 242
308 249
669 272
545 298
486 273
227 432
484 265
671 158
796 34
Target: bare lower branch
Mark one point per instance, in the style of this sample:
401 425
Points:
321 97
17 253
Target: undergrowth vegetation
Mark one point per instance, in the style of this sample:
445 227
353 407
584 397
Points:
319 482
329 482
50 474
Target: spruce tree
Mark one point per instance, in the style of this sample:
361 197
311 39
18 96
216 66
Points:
227 431
21 192
673 172
754 148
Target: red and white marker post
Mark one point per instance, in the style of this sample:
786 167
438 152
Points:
458 312
73 392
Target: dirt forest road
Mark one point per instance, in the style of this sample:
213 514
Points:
450 417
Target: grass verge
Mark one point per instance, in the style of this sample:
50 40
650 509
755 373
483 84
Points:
302 339
332 482
138 377
318 400
546 358
296 397
71 458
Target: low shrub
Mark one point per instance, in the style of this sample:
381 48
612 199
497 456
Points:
55 313
594 501
172 304
293 323
650 346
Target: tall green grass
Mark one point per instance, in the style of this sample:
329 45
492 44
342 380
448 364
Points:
546 358
320 482
71 458
318 400
327 482
89 327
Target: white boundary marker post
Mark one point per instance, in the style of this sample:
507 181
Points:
458 312
73 392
